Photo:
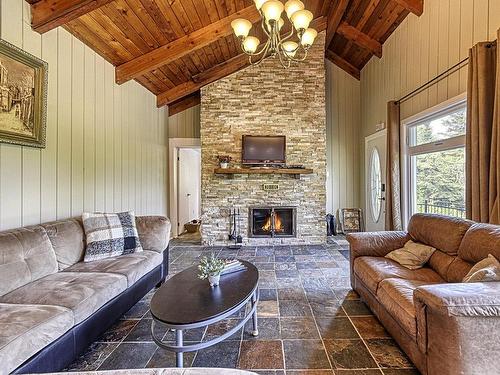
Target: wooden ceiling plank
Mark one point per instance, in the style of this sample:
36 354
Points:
182 46
184 103
360 38
49 14
142 12
343 64
414 6
151 7
334 18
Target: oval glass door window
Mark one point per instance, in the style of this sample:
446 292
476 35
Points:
375 185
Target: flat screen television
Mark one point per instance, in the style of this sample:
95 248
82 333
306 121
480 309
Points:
263 150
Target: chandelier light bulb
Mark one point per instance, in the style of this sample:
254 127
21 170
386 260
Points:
290 48
259 3
241 27
308 37
272 10
292 6
250 44
301 19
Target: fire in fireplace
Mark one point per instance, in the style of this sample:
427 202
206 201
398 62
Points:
272 222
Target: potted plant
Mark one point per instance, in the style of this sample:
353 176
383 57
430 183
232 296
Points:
211 268
224 160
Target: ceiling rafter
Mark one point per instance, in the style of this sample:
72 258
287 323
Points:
184 103
335 16
414 6
343 64
49 14
182 46
360 38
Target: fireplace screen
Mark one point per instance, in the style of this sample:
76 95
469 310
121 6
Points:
272 222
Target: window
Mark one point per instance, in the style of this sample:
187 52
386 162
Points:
435 160
375 185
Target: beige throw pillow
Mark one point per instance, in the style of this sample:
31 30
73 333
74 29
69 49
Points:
487 269
412 256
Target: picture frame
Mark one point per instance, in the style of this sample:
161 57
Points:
351 220
23 97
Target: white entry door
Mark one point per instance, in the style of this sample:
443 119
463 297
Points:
375 154
189 188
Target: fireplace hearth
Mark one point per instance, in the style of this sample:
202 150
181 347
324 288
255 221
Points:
274 222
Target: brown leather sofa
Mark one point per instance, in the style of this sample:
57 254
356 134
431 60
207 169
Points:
445 326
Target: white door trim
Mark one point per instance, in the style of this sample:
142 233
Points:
173 145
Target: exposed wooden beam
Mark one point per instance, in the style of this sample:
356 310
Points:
334 18
184 103
215 73
49 14
182 46
414 6
360 38
343 64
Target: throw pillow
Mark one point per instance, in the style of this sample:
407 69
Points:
110 235
487 269
412 256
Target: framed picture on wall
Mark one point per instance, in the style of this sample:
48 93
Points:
23 97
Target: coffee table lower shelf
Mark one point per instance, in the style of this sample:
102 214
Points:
179 348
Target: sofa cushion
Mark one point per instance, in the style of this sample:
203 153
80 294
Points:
372 270
26 329
396 295
26 254
81 292
457 270
132 266
422 228
479 241
154 232
68 240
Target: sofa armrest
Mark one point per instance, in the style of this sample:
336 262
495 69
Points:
461 299
458 325
154 232
376 243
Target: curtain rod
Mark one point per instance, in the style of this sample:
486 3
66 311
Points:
444 74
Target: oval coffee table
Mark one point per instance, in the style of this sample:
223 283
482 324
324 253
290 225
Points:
186 302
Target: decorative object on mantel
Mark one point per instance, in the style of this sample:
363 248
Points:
211 268
277 45
224 161
23 97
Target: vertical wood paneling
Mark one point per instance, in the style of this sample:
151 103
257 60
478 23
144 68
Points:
98 135
420 49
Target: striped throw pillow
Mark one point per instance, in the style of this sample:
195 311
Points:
110 235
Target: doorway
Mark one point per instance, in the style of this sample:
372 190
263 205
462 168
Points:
375 155
185 185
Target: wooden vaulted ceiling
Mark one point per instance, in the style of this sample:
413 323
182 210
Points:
175 47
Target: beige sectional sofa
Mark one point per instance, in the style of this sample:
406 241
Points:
445 326
52 305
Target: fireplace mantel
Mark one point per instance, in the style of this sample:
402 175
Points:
296 172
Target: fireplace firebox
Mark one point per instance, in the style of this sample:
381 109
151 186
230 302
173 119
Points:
272 222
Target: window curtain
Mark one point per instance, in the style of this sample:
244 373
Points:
393 216
483 134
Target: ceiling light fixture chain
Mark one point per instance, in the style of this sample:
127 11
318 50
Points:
277 45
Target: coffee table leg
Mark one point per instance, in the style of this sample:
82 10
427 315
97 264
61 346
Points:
179 357
255 331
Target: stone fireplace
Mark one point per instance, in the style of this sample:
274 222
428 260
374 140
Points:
266 100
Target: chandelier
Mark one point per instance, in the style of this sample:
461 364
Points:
277 45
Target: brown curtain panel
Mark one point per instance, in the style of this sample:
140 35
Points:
393 217
483 134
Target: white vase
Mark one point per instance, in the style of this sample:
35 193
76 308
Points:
224 165
214 280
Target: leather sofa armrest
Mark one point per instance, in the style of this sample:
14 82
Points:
376 243
457 326
154 232
461 299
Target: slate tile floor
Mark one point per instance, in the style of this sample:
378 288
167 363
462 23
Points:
310 321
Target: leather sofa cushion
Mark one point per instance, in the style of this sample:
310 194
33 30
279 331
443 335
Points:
457 270
372 270
396 295
479 241
26 254
132 266
68 239
83 293
26 329
441 232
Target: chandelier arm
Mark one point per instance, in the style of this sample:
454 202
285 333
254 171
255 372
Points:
300 59
263 53
288 36
263 24
288 61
